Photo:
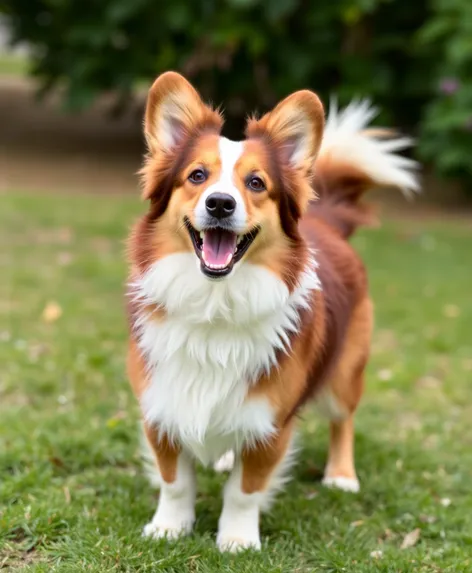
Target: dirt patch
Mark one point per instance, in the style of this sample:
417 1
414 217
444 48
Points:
43 148
13 558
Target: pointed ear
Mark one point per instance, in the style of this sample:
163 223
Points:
174 109
296 126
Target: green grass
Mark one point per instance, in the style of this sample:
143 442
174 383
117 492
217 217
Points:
13 65
72 494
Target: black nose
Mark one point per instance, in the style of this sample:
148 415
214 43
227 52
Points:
220 205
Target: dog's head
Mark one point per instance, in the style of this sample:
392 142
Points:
227 201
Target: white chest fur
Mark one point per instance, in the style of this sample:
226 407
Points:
217 338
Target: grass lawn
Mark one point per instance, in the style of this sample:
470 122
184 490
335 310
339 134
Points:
72 493
13 65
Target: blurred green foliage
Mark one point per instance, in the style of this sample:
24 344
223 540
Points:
414 59
446 126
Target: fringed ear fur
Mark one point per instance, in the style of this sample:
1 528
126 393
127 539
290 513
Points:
175 115
174 110
295 125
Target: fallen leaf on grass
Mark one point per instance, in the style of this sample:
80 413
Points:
385 374
311 495
66 494
451 311
411 538
376 554
427 518
52 311
357 523
387 535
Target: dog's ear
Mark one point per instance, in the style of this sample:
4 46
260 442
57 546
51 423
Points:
296 126
174 109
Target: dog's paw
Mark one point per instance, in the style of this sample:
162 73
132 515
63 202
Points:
170 530
227 543
225 463
342 483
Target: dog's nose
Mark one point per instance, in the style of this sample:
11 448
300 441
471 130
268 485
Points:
220 205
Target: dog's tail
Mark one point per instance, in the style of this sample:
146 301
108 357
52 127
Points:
354 159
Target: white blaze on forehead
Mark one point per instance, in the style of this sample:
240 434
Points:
229 153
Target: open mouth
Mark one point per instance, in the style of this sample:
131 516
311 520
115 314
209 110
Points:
219 249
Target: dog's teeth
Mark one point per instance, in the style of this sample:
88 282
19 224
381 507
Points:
240 238
202 235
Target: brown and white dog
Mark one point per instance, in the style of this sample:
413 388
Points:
245 299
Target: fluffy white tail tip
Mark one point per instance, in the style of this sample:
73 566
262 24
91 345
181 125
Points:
372 151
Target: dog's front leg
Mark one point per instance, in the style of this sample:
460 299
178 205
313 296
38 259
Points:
257 474
175 513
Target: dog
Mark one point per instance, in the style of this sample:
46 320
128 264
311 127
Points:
245 299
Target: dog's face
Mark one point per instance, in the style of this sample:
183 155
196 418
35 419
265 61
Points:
227 201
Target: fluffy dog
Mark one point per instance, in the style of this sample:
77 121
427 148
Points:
245 299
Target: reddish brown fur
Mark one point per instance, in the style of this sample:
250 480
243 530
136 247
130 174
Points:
258 463
331 348
339 188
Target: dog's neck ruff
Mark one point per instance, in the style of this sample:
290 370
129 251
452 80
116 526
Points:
216 339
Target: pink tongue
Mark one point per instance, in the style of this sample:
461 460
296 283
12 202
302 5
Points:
218 247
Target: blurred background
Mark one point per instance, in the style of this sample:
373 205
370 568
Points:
73 77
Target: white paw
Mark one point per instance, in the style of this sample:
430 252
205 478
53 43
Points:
168 530
235 544
342 483
225 463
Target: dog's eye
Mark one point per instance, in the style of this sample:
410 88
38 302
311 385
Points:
255 183
198 176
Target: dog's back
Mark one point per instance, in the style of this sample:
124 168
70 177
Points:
352 160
